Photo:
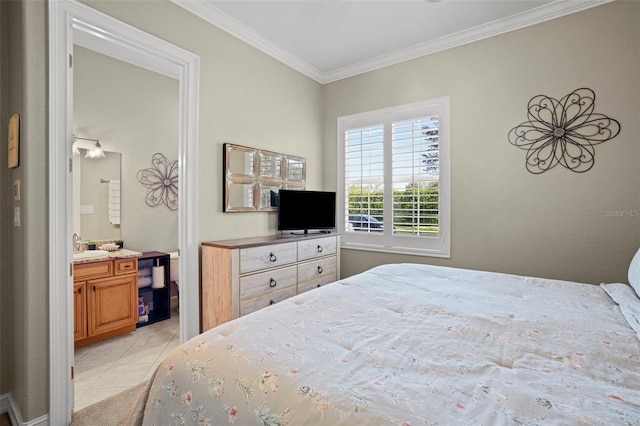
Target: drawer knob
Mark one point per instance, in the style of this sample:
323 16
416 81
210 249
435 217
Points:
271 302
272 282
272 257
320 248
320 270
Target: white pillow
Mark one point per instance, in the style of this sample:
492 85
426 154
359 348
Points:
634 273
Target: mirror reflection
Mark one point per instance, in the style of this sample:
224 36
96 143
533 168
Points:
266 192
270 164
96 196
295 169
240 197
241 162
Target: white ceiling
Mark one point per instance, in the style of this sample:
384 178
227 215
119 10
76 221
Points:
334 39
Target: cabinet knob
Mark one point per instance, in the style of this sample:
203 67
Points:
79 290
273 257
94 288
320 248
272 282
320 270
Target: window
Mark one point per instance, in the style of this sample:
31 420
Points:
394 191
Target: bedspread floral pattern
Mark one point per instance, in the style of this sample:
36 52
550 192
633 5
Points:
411 345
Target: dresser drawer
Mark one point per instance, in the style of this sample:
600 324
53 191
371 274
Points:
126 266
251 305
267 282
317 269
317 247
317 282
269 256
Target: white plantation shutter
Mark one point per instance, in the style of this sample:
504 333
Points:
394 167
364 170
416 173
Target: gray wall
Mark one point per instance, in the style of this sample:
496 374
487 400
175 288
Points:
24 250
132 111
504 218
246 98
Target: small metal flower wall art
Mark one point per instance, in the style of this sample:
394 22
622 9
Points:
161 182
563 132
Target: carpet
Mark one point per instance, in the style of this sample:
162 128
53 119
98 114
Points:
113 411
5 420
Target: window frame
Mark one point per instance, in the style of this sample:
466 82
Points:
385 241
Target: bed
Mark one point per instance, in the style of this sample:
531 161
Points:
409 344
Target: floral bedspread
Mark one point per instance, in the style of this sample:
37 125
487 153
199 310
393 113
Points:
411 344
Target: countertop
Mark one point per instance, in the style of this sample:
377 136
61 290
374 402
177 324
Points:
117 254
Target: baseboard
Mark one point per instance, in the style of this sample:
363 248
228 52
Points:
8 405
40 421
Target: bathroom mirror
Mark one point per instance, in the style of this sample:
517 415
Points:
251 175
97 196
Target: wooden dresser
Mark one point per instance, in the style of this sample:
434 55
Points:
243 275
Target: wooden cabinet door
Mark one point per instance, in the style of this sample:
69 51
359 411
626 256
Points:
112 303
79 311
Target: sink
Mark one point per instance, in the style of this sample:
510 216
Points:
89 254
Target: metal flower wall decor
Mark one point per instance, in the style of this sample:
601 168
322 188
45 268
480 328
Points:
161 181
563 132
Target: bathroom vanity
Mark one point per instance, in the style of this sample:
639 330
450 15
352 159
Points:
105 296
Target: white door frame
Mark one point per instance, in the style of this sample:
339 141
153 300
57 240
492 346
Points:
72 23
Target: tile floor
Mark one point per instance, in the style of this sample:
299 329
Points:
112 366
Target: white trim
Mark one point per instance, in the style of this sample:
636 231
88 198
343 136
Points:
68 21
394 250
556 9
8 405
60 281
215 16
535 16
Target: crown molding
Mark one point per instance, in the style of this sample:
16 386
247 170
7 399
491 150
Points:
214 16
553 10
535 16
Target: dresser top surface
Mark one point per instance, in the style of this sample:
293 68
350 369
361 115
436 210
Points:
265 240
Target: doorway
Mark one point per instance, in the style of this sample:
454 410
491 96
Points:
132 111
72 23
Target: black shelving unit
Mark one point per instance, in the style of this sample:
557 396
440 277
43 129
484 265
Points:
158 300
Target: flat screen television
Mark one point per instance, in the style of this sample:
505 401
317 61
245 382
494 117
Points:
306 210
